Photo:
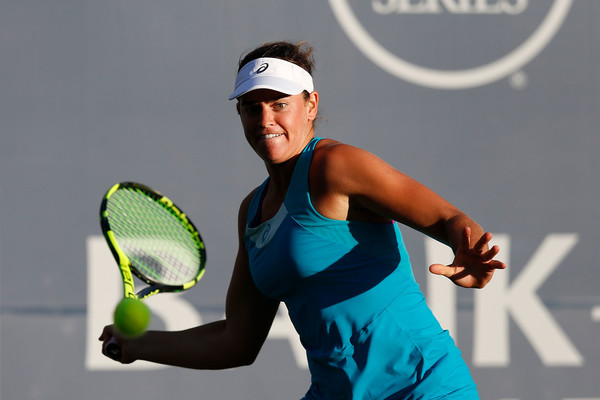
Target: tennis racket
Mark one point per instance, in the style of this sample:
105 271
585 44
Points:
151 238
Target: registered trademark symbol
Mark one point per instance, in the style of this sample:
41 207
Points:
518 80
595 314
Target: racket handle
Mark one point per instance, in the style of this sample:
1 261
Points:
113 349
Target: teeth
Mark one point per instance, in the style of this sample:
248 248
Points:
271 136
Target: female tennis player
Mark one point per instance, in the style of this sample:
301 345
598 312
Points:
320 234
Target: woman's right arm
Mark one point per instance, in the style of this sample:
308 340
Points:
232 342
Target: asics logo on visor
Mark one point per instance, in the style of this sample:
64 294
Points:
262 68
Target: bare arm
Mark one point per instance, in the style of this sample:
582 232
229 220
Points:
355 183
229 343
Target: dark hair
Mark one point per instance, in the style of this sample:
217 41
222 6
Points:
300 53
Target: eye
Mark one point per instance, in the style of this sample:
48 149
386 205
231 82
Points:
279 106
251 109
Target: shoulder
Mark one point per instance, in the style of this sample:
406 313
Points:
332 153
331 156
340 164
245 204
243 210
329 147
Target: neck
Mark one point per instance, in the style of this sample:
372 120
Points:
281 173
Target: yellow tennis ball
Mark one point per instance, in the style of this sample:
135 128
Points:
131 317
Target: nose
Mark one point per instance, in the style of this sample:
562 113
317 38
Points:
266 117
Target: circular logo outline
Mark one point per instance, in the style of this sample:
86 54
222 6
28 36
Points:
451 79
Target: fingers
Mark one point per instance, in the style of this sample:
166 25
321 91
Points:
107 333
495 264
465 242
108 337
481 247
489 255
482 244
443 270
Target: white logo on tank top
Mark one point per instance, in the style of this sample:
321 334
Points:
263 234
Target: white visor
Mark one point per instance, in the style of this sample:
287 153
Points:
272 73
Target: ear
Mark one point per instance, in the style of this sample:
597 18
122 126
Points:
237 107
312 105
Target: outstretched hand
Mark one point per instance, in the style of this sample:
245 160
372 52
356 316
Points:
474 264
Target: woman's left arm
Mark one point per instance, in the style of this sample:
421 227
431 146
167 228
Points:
372 184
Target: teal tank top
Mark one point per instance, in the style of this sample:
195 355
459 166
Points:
353 299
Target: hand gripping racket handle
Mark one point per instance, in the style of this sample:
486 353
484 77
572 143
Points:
113 349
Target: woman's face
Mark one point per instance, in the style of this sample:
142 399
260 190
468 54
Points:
277 126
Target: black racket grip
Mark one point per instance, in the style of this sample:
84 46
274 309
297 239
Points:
113 349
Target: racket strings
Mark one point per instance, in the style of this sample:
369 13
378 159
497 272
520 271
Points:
159 246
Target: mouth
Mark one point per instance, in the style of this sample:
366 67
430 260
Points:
271 135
